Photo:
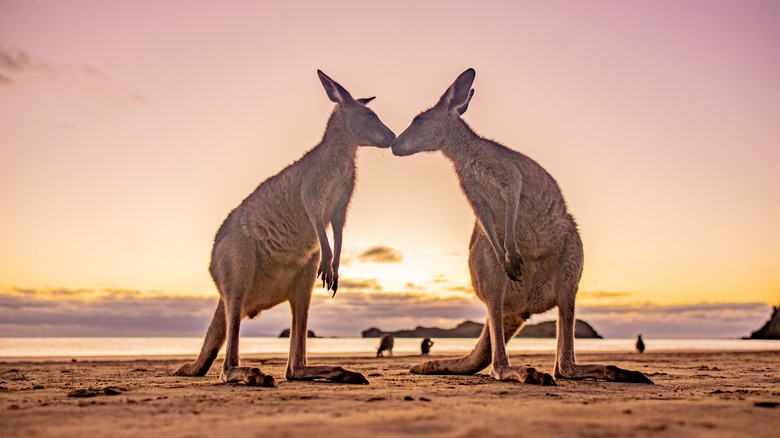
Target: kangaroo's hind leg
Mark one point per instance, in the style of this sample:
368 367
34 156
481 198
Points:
233 266
492 285
215 339
566 367
501 369
480 356
472 363
297 368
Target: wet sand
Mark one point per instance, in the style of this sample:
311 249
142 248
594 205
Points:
695 394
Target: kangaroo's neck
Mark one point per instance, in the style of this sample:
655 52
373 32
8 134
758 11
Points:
337 138
459 142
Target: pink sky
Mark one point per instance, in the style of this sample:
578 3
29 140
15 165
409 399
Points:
129 129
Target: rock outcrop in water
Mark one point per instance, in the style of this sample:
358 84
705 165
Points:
770 330
286 334
470 329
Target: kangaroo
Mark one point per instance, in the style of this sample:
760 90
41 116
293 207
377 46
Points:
525 253
640 344
274 245
425 346
386 344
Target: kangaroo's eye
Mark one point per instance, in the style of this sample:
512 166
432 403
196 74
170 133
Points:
417 120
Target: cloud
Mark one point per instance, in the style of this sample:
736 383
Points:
63 312
13 62
101 313
94 72
110 312
359 284
352 313
439 278
705 320
17 66
603 294
462 289
380 254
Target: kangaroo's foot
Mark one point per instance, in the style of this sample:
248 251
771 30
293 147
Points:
460 366
191 369
249 376
523 375
334 374
436 367
609 373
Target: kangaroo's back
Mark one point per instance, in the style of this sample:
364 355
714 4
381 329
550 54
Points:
542 208
497 179
274 213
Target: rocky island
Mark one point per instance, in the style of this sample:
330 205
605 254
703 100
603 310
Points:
286 334
770 330
470 329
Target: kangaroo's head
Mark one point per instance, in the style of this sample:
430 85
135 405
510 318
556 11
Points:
360 121
429 129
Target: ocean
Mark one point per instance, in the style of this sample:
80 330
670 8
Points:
151 347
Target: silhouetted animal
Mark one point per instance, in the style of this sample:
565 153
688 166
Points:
640 345
425 346
386 344
273 246
525 254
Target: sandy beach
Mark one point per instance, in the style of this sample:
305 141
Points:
695 394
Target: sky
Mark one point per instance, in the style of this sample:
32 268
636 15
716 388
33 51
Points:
129 130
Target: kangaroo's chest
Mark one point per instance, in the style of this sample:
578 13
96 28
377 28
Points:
486 192
337 193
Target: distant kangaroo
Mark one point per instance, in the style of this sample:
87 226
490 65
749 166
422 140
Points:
525 254
386 344
274 245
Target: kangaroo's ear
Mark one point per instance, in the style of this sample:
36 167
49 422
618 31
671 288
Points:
456 99
462 108
336 92
364 101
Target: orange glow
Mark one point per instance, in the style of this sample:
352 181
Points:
129 131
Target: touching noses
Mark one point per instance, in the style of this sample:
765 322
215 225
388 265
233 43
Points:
391 136
396 146
388 138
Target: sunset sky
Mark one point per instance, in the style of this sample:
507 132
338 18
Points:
129 130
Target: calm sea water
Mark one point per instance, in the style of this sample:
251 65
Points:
190 346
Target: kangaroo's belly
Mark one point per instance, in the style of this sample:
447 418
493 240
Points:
535 292
278 280
284 259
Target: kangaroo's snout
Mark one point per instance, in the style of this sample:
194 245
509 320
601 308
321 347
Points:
397 147
388 140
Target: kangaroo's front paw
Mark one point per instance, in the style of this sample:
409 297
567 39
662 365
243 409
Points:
513 266
326 271
335 284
